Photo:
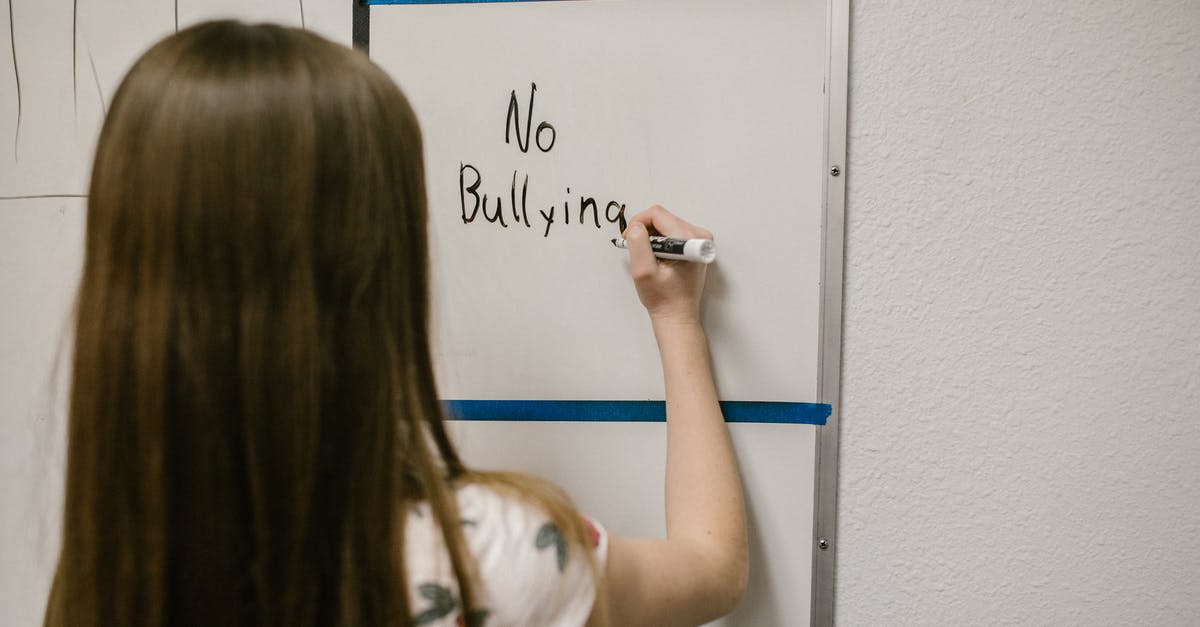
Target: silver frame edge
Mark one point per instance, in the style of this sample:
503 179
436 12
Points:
830 355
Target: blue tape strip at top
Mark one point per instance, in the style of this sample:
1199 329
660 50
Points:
443 1
630 411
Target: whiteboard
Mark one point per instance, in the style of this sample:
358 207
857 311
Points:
656 101
715 110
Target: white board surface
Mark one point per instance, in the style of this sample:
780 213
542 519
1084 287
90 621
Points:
712 109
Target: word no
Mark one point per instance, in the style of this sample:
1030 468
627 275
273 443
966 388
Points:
512 122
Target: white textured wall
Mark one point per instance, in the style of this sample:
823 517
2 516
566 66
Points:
1020 439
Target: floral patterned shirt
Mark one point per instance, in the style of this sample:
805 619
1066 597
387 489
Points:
531 576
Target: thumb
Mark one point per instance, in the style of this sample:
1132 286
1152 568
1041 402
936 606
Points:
641 259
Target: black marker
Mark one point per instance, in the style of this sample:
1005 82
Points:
697 250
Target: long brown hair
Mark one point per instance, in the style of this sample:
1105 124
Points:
253 405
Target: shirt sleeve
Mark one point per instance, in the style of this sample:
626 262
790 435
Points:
531 573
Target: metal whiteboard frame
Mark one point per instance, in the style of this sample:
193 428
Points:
830 358
824 541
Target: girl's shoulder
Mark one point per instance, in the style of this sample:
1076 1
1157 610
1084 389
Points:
530 573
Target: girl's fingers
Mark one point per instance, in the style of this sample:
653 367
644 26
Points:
642 263
666 223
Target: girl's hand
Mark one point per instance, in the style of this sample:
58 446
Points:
669 290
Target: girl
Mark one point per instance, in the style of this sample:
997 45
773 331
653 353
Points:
255 436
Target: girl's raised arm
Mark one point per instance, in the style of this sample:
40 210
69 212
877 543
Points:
699 572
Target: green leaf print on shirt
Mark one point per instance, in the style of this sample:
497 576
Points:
442 603
549 535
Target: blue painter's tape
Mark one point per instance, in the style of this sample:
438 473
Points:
444 1
631 411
